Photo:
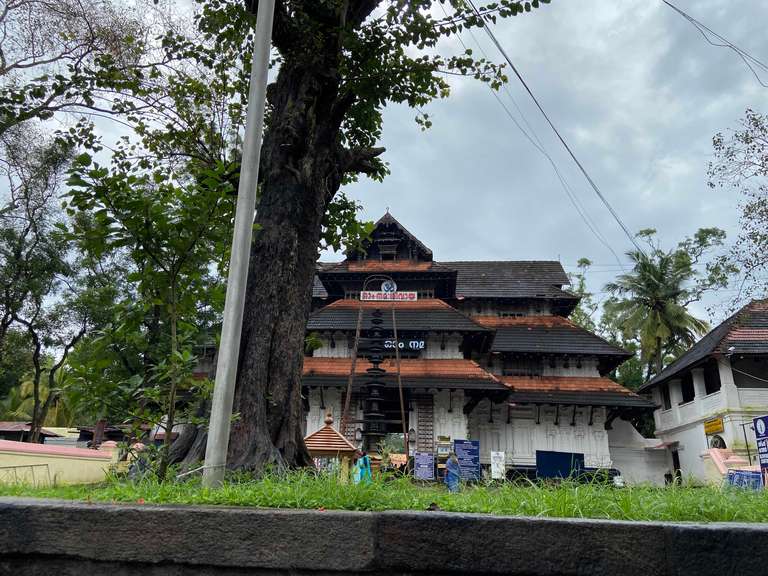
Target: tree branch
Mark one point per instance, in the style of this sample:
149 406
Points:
361 160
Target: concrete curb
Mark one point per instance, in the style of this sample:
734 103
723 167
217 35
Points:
65 537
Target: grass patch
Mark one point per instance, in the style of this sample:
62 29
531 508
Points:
310 491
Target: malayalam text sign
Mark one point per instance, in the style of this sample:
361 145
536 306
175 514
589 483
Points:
381 296
468 454
424 466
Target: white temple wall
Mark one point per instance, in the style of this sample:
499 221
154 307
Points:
335 346
635 456
438 347
449 417
586 368
316 414
522 437
481 308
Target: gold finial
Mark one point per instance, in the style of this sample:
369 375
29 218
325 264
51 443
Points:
328 419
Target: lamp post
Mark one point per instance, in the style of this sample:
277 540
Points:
229 349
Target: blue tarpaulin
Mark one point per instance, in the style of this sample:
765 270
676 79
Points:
551 464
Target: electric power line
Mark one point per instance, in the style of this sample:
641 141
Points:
705 32
592 183
539 145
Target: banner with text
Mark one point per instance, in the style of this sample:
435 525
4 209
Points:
761 434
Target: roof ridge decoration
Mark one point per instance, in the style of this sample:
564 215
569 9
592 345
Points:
718 340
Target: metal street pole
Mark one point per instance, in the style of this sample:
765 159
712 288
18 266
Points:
229 347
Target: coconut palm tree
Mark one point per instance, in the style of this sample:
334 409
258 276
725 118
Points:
18 406
650 302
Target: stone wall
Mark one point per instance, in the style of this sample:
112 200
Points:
39 537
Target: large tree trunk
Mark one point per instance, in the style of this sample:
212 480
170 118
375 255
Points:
301 175
302 165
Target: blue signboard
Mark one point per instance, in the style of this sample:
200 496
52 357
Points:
468 455
424 466
761 434
745 479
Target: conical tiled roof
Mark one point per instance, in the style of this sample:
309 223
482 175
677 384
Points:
327 441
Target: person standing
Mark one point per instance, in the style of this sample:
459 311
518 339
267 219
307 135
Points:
361 473
452 473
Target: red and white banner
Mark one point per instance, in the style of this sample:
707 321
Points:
373 295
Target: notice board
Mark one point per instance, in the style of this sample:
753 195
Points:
424 466
468 455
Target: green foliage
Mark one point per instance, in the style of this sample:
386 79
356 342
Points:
649 303
741 163
584 313
314 491
15 360
71 55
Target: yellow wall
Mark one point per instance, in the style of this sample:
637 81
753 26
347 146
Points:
30 468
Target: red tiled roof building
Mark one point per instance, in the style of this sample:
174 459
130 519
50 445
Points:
487 353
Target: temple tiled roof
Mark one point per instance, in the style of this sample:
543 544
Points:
513 279
414 372
510 279
420 315
585 391
746 332
372 266
550 335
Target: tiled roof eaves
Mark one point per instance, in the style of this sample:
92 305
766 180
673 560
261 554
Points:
556 340
330 318
409 382
587 398
714 341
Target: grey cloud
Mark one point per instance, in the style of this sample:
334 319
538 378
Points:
637 93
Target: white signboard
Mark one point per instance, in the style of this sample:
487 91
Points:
498 469
381 296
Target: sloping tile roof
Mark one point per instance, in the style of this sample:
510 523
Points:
477 279
24 427
328 440
414 372
413 367
385 266
510 279
551 335
746 332
421 315
586 391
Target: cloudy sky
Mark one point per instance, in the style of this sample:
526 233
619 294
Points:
633 88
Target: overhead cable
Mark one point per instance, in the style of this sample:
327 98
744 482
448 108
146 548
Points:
750 61
539 145
583 170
